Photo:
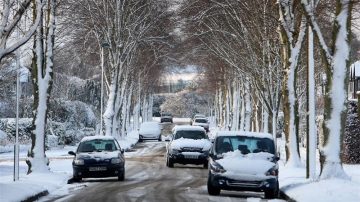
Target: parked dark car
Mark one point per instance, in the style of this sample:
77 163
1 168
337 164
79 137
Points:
243 161
166 117
97 157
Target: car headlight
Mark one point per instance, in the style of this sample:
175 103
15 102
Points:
115 160
216 168
272 172
79 162
206 152
175 151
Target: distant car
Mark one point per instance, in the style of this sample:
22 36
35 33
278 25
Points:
150 131
196 116
166 117
98 156
188 145
243 161
203 122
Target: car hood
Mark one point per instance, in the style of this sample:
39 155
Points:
99 155
205 144
242 166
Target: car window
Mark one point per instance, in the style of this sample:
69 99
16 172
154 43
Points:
190 134
200 120
98 145
244 144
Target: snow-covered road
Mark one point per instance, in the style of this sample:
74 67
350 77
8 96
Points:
148 179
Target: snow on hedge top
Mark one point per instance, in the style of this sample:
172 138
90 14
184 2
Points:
187 128
96 137
252 166
244 133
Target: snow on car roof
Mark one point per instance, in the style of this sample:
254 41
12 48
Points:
244 133
187 127
96 137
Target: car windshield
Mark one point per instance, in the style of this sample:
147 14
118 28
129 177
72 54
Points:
97 145
200 120
244 144
190 134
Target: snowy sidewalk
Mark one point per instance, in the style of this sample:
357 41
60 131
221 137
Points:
31 186
294 184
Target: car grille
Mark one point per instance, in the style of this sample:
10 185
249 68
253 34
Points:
238 183
97 161
191 149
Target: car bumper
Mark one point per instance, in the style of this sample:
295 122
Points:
149 137
184 159
89 171
166 120
226 183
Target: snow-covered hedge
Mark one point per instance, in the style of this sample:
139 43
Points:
68 122
351 152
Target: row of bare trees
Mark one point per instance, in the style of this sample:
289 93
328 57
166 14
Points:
131 34
255 54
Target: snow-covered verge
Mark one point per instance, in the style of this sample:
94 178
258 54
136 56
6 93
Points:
37 184
129 141
294 184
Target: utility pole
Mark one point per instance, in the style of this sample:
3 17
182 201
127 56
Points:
103 45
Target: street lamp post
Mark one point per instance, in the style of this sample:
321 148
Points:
103 45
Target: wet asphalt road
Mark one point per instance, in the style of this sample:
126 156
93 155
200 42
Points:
148 179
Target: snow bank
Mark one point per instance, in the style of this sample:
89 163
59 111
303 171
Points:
31 185
296 186
130 140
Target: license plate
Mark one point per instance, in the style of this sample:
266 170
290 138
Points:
191 156
97 168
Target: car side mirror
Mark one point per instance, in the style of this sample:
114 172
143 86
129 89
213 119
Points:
122 151
72 153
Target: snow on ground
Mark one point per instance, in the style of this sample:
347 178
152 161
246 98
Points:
35 183
296 186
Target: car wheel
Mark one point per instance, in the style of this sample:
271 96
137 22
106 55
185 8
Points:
141 140
121 177
214 191
159 139
169 162
206 165
77 179
274 193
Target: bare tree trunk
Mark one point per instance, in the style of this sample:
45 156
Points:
42 78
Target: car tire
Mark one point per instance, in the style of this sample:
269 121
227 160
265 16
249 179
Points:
214 191
121 177
159 139
206 165
141 140
274 193
169 162
77 179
